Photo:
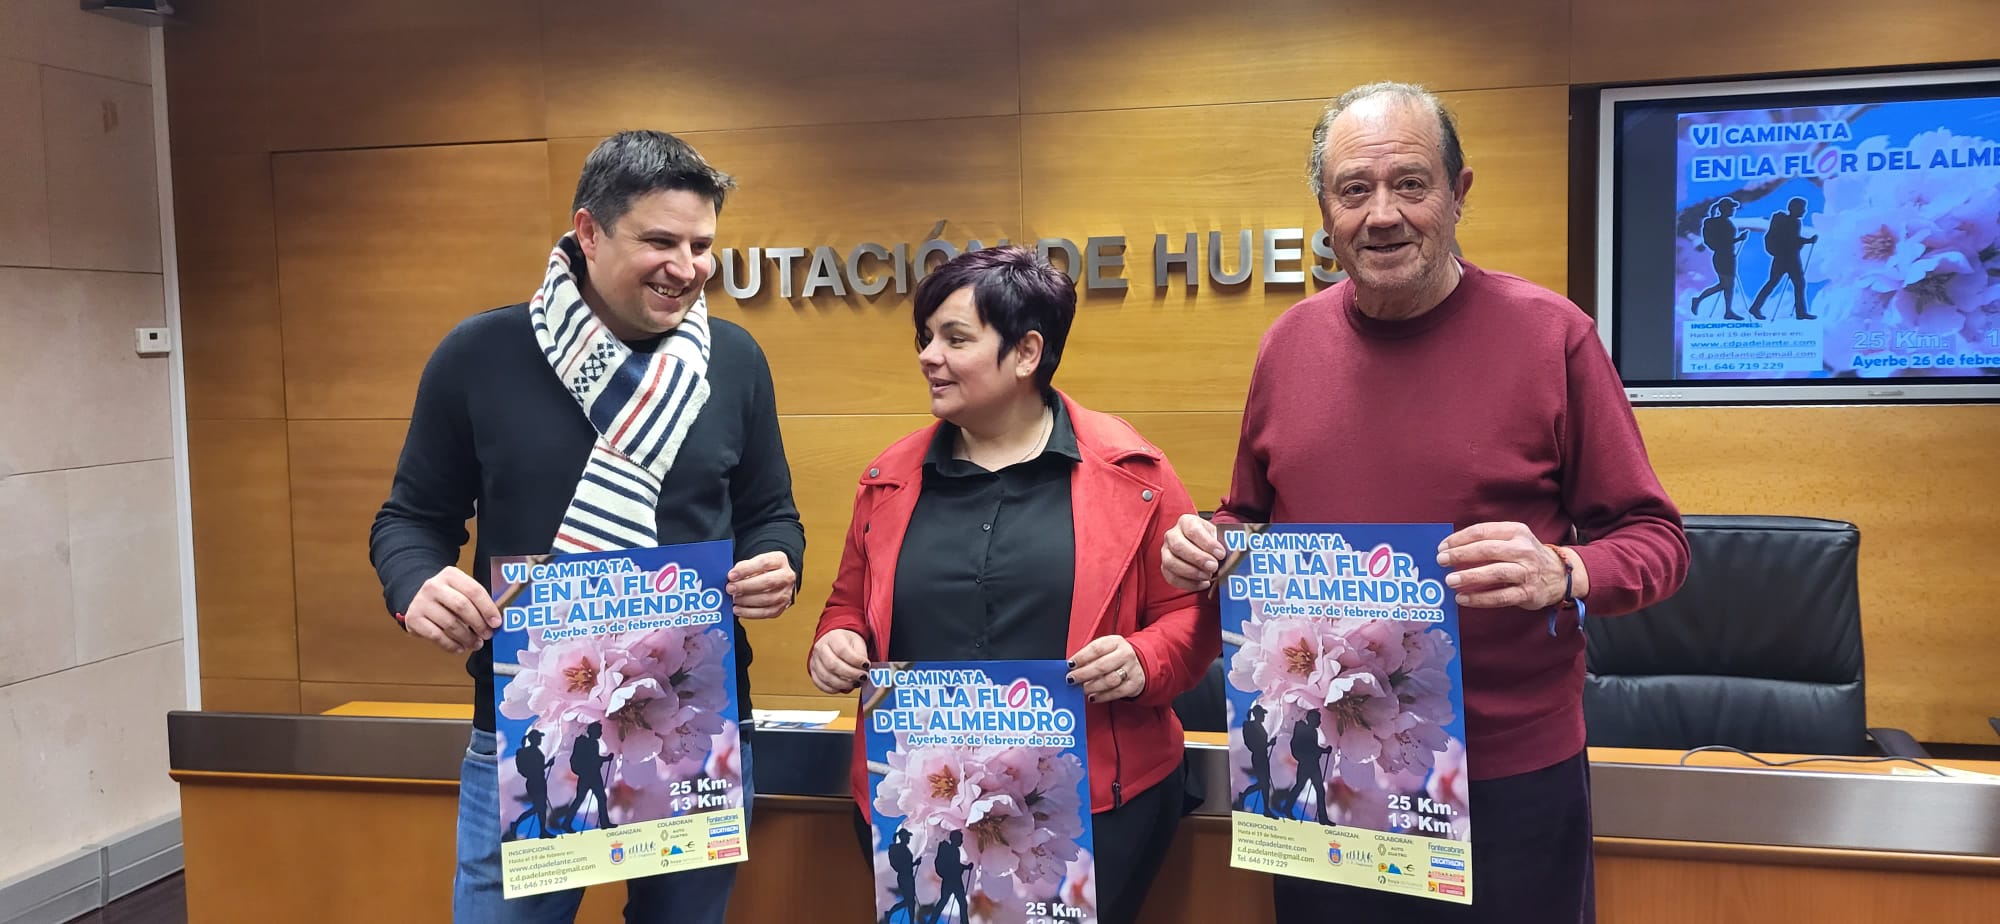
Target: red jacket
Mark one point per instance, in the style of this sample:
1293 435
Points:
1124 497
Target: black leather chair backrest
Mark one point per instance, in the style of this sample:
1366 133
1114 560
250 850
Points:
1205 707
1760 649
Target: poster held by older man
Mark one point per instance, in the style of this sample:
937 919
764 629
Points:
616 704
980 793
1347 736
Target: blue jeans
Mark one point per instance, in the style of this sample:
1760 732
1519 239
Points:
696 896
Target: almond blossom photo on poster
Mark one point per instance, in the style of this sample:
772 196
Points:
1344 712
1889 264
1911 258
1014 814
978 793
612 723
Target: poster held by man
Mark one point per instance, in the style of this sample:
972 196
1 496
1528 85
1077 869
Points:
1347 731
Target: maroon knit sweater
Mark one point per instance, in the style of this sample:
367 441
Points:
1500 404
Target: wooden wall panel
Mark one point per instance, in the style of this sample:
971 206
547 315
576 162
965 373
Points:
242 868
842 186
1145 53
1200 444
805 866
341 471
216 100
368 73
241 847
828 455
233 694
1648 890
756 63
315 284
318 696
242 495
381 252
1517 216
1130 172
1631 42
1919 483
1196 882
230 327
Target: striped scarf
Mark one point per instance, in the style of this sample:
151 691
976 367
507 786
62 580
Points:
642 405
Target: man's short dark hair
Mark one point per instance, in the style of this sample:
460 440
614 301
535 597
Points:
1014 292
631 164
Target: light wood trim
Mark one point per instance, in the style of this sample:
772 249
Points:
1663 757
381 710
1796 856
370 783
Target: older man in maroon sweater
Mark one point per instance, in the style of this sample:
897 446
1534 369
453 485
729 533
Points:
1426 389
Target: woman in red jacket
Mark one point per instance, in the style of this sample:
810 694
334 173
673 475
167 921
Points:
1019 526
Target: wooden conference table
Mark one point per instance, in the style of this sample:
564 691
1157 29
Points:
349 816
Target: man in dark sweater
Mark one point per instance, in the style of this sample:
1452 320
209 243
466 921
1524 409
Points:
606 412
1425 389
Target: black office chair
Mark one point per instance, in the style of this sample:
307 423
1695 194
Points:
1205 708
1760 649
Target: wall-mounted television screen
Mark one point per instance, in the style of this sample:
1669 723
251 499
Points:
1825 240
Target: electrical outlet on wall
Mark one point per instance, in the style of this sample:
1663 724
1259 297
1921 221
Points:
151 341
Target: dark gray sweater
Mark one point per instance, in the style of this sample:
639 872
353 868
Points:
494 432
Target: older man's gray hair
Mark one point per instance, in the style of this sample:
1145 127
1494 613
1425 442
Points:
1454 155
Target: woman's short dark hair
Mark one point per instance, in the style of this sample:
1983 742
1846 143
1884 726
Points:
1014 292
631 164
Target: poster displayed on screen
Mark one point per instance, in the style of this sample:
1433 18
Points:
979 793
615 704
1346 708
1822 237
1859 238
